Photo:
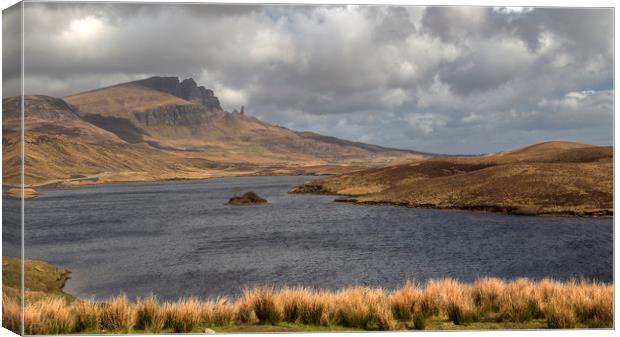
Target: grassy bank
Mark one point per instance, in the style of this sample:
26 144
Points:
438 304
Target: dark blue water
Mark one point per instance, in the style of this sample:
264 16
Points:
178 238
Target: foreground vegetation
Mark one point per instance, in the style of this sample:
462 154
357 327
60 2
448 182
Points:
438 304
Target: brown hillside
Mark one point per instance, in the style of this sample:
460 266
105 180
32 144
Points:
122 100
60 146
547 178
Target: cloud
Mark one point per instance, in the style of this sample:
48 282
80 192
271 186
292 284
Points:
442 79
576 110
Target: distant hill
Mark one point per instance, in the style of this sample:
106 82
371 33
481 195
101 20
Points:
546 178
59 144
164 115
165 128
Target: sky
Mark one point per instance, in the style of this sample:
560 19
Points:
436 79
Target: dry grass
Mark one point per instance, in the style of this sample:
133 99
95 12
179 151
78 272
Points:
306 306
55 316
220 312
546 178
50 315
11 313
87 314
364 308
262 301
117 315
150 316
183 315
33 324
488 300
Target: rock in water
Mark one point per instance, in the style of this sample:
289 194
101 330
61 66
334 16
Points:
249 198
16 193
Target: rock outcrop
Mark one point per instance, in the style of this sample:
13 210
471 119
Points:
186 89
199 94
174 115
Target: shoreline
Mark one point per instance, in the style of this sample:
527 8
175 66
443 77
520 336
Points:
314 189
60 184
90 182
507 210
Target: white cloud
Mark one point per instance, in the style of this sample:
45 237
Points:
230 98
394 98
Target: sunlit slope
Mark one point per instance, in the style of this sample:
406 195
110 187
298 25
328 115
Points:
60 145
141 114
546 178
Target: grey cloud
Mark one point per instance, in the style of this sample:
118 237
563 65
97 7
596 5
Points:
457 23
443 79
11 50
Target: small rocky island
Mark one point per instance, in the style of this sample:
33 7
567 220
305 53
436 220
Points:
248 198
16 193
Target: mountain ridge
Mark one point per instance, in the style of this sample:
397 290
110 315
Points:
166 128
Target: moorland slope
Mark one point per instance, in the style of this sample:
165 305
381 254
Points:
547 178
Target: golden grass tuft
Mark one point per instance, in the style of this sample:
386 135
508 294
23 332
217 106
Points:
150 316
55 316
304 305
592 305
49 315
183 315
117 315
11 314
87 315
407 305
364 308
219 312
486 293
460 307
437 295
519 303
262 302
33 324
560 315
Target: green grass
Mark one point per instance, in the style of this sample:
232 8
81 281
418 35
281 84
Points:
432 324
281 327
40 277
437 324
244 328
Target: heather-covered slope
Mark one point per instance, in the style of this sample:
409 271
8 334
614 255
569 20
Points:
59 145
546 178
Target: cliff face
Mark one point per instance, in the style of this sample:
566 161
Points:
186 89
199 94
174 115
